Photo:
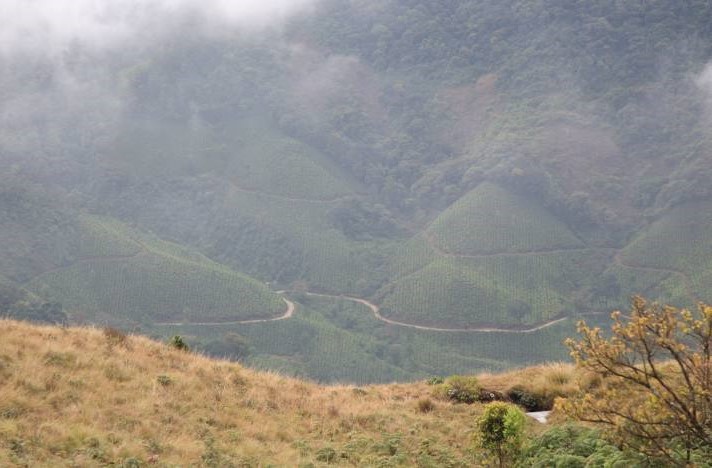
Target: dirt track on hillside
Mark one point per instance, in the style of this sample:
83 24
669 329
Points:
288 314
376 310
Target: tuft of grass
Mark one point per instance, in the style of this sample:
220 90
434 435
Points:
425 405
115 373
326 454
164 380
115 337
59 359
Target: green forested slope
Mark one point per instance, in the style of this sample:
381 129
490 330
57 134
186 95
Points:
251 152
678 244
502 289
153 281
492 220
458 163
266 160
38 232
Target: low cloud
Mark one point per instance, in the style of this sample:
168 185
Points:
50 26
704 80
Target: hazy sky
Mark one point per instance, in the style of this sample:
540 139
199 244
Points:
51 25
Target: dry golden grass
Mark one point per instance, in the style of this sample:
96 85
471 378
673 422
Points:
88 397
557 377
544 382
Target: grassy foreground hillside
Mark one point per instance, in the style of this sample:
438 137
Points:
90 397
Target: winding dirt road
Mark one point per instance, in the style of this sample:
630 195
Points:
376 310
288 314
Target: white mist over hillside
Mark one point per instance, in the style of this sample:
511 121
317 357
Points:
50 26
704 80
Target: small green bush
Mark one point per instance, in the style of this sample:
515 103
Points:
501 430
178 342
164 380
460 389
131 462
326 454
435 381
17 447
11 412
486 396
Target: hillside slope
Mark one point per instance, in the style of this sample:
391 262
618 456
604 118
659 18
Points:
464 164
491 220
679 245
100 270
492 257
120 275
73 396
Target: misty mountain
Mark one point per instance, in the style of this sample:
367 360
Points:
462 165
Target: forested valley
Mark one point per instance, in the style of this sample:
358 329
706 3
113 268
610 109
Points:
358 191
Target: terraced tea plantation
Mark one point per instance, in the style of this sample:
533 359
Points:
323 256
492 258
501 289
265 160
121 276
492 220
251 152
678 245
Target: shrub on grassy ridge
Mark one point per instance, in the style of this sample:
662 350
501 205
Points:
527 400
178 342
460 389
